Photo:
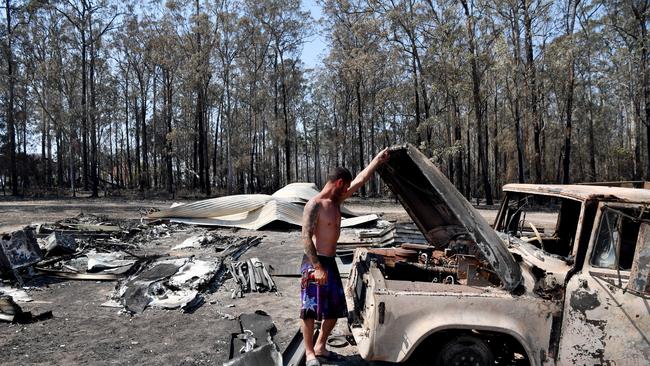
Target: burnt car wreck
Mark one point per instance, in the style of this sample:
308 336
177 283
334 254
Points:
568 287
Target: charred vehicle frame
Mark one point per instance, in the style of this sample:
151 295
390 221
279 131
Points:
573 293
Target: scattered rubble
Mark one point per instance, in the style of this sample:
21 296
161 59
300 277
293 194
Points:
12 312
59 243
386 234
167 284
254 344
155 264
89 247
250 276
18 294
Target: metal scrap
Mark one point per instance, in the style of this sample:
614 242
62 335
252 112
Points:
59 243
253 211
12 312
251 275
168 284
19 249
254 344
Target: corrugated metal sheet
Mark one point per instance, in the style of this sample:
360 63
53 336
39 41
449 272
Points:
252 211
274 210
215 207
297 192
267 215
359 220
303 192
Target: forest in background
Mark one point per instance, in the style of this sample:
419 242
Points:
211 97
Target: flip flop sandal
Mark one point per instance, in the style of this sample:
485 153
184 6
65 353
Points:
313 362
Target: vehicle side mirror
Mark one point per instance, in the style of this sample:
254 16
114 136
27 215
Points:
640 272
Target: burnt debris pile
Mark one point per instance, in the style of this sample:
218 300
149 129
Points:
250 276
157 265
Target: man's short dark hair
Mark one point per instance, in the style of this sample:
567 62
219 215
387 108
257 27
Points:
340 173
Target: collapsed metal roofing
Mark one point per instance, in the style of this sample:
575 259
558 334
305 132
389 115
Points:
253 211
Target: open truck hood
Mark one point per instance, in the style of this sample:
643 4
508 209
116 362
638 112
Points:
441 212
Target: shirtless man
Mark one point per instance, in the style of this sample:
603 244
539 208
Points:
321 288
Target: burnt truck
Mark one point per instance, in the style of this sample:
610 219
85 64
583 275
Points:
561 278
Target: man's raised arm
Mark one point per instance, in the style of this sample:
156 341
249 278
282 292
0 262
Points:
366 173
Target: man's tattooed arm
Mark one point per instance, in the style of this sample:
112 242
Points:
309 219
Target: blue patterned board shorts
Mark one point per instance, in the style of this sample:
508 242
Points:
326 301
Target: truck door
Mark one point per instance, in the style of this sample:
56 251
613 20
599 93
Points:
604 321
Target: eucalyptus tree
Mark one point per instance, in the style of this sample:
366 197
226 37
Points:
474 51
628 19
288 26
14 19
166 55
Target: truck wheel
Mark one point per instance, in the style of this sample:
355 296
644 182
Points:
465 350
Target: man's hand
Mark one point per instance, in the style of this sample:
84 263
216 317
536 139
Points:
382 156
320 275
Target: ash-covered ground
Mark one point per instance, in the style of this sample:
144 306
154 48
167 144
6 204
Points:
82 331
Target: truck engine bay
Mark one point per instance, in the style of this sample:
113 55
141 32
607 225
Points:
456 264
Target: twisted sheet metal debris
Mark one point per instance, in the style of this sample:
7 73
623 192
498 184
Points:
18 294
250 276
253 211
59 243
12 312
168 284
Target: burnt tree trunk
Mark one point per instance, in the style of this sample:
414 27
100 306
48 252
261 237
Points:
568 106
285 115
84 106
94 174
360 130
478 110
167 80
640 14
144 174
458 140
129 162
11 117
532 91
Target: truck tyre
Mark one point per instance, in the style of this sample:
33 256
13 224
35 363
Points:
465 350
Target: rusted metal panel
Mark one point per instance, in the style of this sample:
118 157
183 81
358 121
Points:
603 324
619 183
441 212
